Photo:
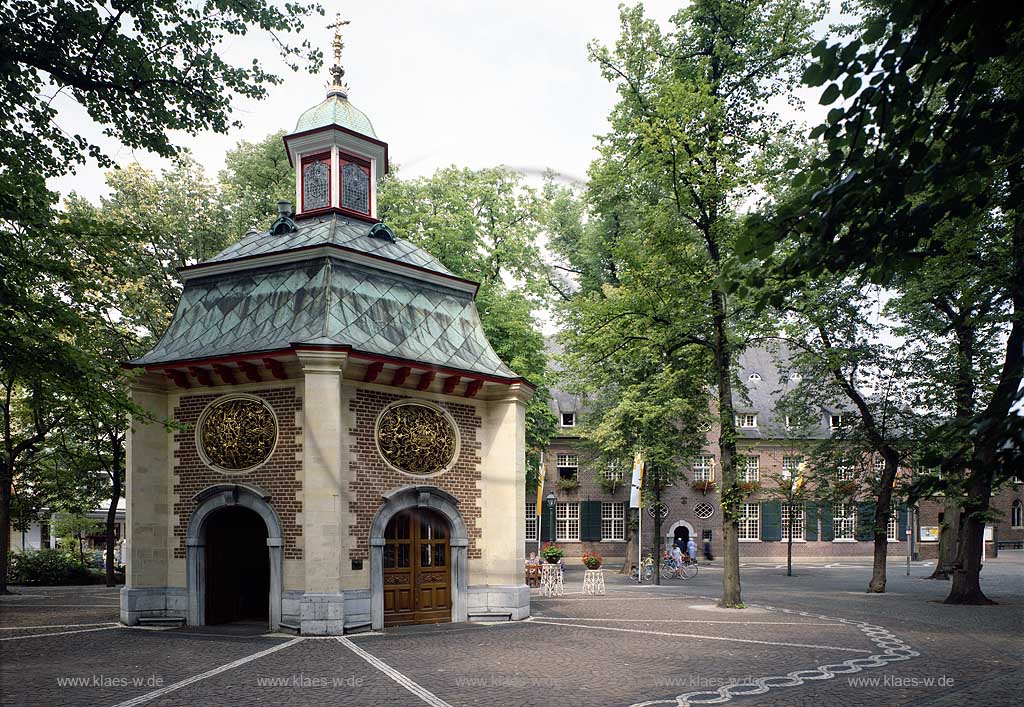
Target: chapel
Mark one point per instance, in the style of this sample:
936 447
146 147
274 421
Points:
346 449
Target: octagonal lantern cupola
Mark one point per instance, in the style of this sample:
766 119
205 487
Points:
336 153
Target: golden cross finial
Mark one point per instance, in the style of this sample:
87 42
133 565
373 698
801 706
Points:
338 71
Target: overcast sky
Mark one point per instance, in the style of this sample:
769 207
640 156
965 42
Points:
474 84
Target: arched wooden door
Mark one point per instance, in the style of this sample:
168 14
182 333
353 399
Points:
417 569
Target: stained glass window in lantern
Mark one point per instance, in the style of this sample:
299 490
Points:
316 185
355 188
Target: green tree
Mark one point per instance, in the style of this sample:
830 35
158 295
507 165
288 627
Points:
952 314
692 139
255 177
927 129
140 71
483 225
841 353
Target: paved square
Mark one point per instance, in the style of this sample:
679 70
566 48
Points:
812 639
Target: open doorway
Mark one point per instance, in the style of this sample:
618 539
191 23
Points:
237 567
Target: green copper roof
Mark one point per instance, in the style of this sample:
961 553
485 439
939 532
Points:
336 110
327 301
331 229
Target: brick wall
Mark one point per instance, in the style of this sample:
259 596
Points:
279 476
373 476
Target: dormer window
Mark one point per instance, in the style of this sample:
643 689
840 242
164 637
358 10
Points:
355 185
316 182
568 419
747 420
754 378
835 421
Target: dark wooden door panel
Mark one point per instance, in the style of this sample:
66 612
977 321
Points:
417 573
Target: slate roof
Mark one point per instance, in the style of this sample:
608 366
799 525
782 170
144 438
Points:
327 301
331 229
757 396
335 110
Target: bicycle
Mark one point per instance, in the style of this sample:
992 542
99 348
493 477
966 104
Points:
688 570
647 567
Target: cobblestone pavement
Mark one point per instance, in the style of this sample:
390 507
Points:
637 645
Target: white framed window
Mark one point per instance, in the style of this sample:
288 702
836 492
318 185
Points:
835 421
567 521
1014 479
879 464
751 469
567 460
793 513
892 527
568 465
1017 515
613 520
704 468
568 419
790 467
531 520
844 521
747 420
789 422
613 472
844 473
749 522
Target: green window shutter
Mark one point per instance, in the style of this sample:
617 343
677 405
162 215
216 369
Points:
810 522
865 522
903 519
828 530
547 524
590 520
771 520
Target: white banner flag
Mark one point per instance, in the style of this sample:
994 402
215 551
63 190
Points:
637 481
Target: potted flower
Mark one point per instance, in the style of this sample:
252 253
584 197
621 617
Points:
704 487
750 487
592 560
552 553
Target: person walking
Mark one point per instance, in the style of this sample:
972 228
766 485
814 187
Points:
707 550
691 549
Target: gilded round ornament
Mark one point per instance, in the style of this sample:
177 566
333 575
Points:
417 439
237 433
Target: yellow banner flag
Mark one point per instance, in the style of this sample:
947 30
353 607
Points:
540 486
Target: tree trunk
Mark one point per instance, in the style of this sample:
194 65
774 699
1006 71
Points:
949 534
115 496
731 594
5 532
81 549
883 509
967 569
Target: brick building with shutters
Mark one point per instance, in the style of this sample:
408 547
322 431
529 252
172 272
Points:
348 450
591 500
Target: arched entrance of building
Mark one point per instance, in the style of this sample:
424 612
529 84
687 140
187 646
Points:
237 567
416 530
680 533
417 569
233 558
